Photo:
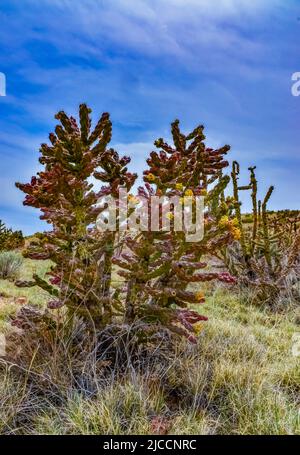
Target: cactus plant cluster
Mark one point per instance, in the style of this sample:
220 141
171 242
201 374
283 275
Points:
9 239
155 267
287 223
268 249
80 276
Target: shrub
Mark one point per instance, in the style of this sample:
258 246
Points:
157 266
10 264
10 240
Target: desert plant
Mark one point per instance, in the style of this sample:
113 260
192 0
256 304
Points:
267 254
157 266
9 239
10 264
287 223
81 274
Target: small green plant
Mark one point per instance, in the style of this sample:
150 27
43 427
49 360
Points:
9 239
10 264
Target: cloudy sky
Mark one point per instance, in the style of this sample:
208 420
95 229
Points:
224 63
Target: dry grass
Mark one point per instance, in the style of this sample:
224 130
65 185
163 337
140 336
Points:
241 378
10 264
9 293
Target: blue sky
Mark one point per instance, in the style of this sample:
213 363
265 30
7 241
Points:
224 63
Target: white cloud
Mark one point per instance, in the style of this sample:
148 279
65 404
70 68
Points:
153 27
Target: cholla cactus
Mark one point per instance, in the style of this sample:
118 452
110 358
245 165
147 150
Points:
286 223
158 266
81 274
267 253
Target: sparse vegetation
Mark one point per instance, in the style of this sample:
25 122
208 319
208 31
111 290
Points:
101 333
10 264
9 239
240 378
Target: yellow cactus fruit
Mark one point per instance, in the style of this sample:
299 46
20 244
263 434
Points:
189 193
199 296
170 215
224 221
198 327
236 233
235 222
133 199
150 177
